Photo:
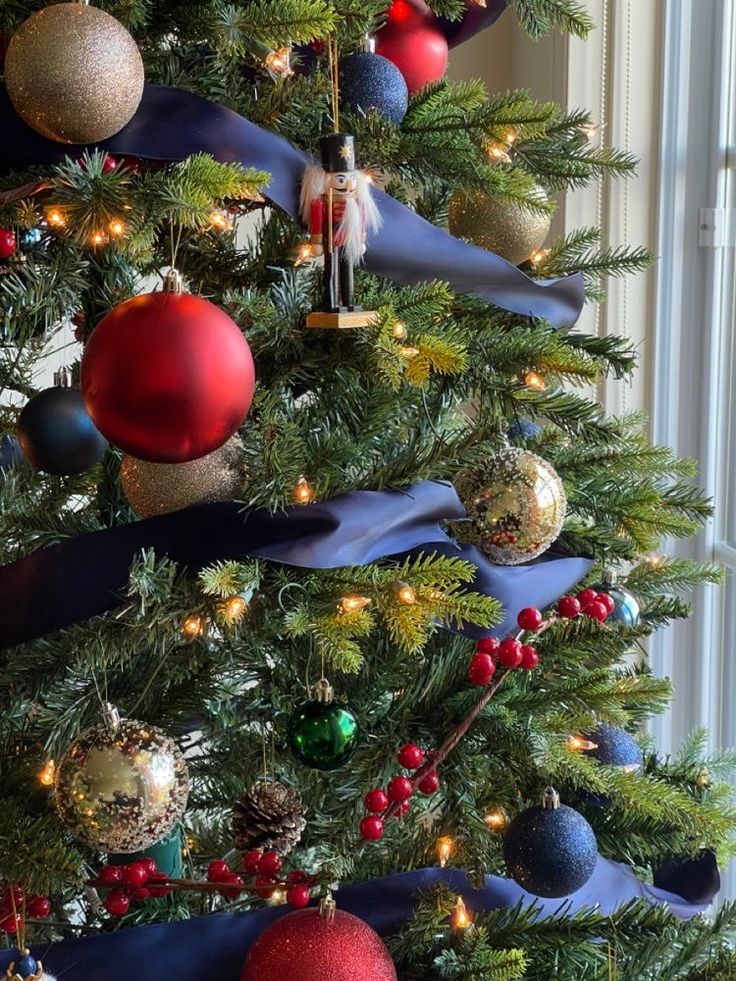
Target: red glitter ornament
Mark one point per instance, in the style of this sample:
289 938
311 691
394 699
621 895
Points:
413 41
306 946
167 376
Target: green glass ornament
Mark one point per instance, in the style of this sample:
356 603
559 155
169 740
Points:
321 733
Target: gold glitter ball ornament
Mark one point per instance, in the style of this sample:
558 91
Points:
515 510
74 73
499 225
122 785
158 488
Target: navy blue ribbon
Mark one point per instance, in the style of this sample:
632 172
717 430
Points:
172 124
86 576
216 946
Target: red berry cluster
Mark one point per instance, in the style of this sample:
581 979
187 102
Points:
589 603
398 791
509 653
137 881
8 244
265 867
15 903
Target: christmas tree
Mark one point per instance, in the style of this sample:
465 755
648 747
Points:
324 579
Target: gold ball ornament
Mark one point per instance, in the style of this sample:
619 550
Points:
74 73
499 225
515 510
158 488
121 786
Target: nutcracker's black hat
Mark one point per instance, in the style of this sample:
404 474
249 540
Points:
338 152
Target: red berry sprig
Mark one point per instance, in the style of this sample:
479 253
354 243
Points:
587 603
396 799
135 882
15 904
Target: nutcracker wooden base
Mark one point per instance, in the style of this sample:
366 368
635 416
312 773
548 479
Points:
341 320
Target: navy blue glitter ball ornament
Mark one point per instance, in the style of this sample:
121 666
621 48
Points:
57 435
550 850
626 608
370 81
615 747
25 964
522 430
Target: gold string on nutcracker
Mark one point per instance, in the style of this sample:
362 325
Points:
338 207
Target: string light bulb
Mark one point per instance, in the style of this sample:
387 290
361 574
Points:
303 254
445 849
591 131
408 352
498 153
538 257
404 593
193 627
461 918
55 218
353 602
97 238
303 492
279 62
220 220
579 744
47 776
117 227
235 607
511 136
496 819
532 379
703 779
400 330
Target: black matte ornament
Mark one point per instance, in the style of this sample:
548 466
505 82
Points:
56 434
615 747
550 849
370 81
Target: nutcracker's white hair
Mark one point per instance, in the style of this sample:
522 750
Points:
361 214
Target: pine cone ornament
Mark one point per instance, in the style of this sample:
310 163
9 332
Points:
270 816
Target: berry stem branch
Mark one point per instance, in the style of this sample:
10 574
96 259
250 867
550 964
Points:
197 885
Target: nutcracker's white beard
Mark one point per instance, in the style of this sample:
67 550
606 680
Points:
360 215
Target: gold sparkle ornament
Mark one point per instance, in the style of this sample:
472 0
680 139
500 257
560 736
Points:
74 74
516 507
500 225
159 488
122 785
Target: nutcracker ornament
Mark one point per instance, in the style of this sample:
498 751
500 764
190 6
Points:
338 207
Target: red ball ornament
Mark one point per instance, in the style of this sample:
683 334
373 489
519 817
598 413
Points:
399 789
481 669
488 645
413 41
305 946
430 784
251 860
371 828
529 658
167 377
411 756
39 907
298 896
569 607
608 601
117 903
596 611
586 596
376 801
530 618
7 243
269 863
509 653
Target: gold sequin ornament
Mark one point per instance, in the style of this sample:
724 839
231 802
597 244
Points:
122 785
158 488
516 508
74 73
500 225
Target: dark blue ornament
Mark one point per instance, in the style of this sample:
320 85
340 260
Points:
615 747
30 238
25 964
626 609
370 81
523 429
10 454
57 435
550 850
